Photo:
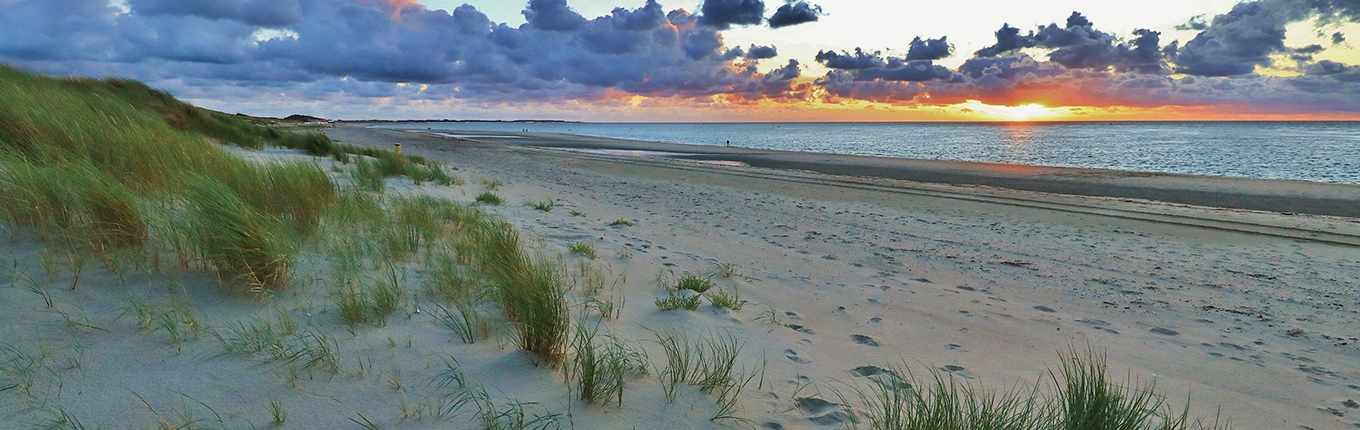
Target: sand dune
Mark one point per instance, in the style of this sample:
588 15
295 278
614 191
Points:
1249 314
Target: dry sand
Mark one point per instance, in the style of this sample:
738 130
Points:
1250 314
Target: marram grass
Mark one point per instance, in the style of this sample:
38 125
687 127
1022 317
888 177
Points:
1081 397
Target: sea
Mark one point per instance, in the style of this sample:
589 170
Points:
1306 151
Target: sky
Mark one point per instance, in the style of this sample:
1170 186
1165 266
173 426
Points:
713 60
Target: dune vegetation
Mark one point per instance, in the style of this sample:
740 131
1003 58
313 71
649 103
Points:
97 168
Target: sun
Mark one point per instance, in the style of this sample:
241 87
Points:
1018 113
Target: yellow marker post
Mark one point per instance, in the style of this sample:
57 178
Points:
398 148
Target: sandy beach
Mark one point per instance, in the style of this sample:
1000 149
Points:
1240 295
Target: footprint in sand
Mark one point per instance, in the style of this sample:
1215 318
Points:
1165 331
820 411
863 340
872 371
1042 308
955 347
793 355
799 328
958 370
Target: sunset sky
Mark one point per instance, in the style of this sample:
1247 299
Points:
713 60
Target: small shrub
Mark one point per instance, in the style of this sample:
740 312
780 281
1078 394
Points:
489 198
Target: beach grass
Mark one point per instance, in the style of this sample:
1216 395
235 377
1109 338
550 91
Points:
674 301
489 198
722 299
531 291
545 205
583 249
1080 396
236 239
694 283
601 369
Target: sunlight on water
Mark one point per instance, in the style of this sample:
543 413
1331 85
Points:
1323 151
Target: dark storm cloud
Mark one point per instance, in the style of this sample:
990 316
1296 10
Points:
795 13
929 49
1338 38
723 14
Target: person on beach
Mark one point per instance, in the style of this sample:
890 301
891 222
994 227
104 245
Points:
729 143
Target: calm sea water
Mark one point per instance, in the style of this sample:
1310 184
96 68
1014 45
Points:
1310 151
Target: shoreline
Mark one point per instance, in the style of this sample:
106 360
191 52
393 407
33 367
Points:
978 282
1269 195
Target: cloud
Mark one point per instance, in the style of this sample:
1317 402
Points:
1007 39
1196 23
263 13
1238 41
869 66
795 13
333 45
1079 45
334 51
553 15
761 52
723 14
929 49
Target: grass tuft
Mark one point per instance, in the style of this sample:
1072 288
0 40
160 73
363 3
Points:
489 198
545 206
1083 397
694 283
583 249
728 301
235 238
601 369
674 301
